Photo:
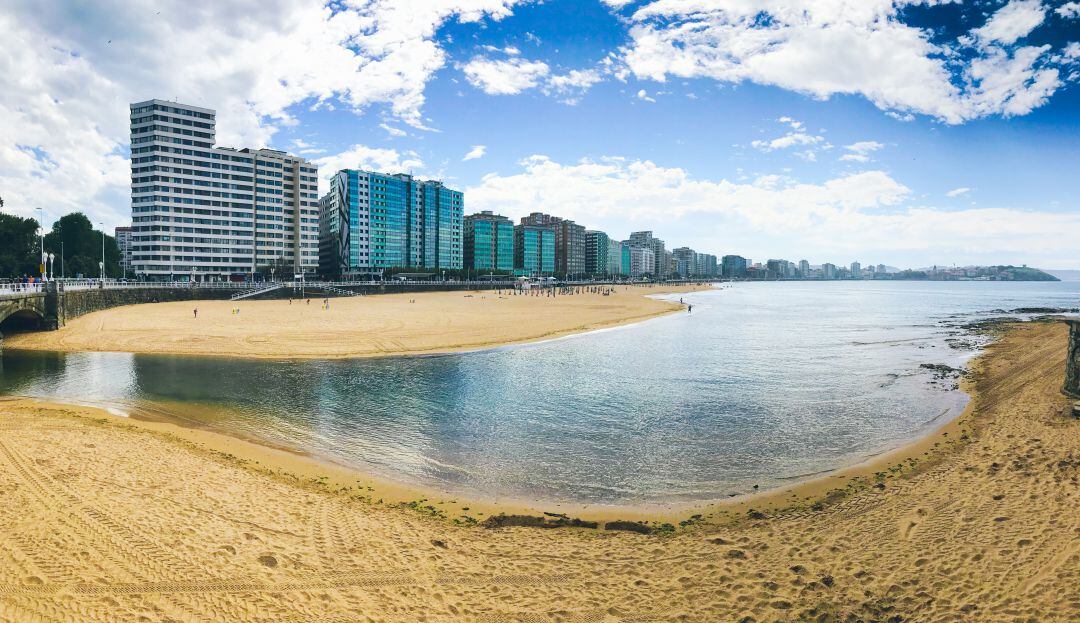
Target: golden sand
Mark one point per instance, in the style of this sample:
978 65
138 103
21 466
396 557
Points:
102 519
359 326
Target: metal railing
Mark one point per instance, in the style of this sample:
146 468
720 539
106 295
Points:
21 288
269 286
339 287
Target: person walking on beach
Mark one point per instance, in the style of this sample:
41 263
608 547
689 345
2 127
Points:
196 312
689 308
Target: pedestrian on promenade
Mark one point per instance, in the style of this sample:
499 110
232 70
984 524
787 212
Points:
196 312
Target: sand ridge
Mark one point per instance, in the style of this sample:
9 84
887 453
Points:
102 520
359 326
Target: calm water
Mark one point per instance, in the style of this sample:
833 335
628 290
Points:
763 383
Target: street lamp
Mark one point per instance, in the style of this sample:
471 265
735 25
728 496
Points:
102 250
52 267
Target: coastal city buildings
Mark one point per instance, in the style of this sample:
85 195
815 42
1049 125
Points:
123 243
804 269
856 270
373 221
828 271
489 242
202 212
569 241
685 261
642 261
645 239
618 258
733 267
597 253
534 249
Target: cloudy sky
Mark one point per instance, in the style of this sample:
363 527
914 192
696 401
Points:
898 131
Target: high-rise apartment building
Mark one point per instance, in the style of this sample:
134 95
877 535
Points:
373 221
534 249
642 261
804 269
123 243
597 253
705 265
828 271
733 267
489 242
685 262
856 270
203 212
569 241
618 258
660 258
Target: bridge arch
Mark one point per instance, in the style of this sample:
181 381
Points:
22 314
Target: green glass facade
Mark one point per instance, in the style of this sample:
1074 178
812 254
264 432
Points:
489 242
597 251
375 221
534 250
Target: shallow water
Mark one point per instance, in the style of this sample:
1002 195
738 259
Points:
762 383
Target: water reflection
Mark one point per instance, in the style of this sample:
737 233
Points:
763 382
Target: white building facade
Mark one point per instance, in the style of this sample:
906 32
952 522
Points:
206 213
642 261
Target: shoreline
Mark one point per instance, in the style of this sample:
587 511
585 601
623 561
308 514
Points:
110 519
448 325
469 506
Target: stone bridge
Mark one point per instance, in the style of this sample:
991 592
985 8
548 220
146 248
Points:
26 310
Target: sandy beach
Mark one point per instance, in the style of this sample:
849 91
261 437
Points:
360 326
108 519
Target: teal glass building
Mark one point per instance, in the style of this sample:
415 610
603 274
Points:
369 222
534 250
597 253
489 242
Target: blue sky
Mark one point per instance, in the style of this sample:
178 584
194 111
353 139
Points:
897 131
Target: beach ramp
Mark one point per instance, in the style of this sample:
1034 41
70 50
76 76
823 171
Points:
255 291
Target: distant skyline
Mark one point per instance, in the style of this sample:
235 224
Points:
902 132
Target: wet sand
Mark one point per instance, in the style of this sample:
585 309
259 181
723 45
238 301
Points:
359 326
106 519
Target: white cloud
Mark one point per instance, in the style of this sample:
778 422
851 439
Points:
512 76
795 137
788 140
367 158
866 213
1012 21
574 80
644 95
860 151
844 47
392 131
956 192
504 77
477 151
1069 10
70 73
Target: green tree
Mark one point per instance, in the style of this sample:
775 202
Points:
75 237
19 250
